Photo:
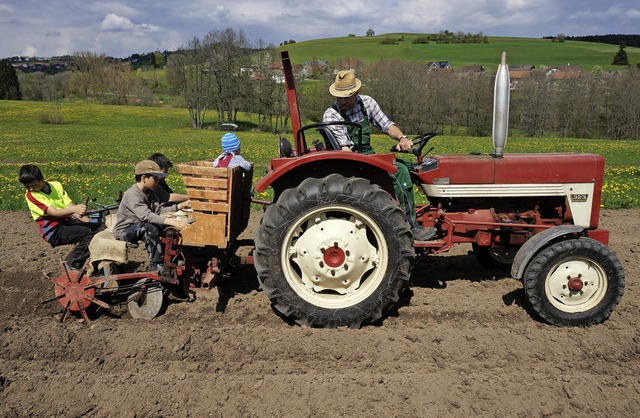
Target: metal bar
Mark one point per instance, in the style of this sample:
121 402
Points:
53 298
292 100
85 317
502 224
97 301
66 312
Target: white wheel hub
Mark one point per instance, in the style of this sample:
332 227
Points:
333 254
576 285
334 257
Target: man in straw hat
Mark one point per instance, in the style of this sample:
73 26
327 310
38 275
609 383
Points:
364 110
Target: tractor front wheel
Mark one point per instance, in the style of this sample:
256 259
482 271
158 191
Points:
333 252
577 282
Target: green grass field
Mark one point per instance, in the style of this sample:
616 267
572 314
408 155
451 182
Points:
95 148
520 51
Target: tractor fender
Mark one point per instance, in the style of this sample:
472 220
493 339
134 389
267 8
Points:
289 172
536 243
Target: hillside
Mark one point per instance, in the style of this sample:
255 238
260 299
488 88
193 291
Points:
521 51
538 52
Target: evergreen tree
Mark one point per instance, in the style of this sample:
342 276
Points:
621 57
9 85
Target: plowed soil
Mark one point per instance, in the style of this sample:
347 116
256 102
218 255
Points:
464 344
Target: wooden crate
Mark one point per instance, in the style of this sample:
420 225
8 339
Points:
221 202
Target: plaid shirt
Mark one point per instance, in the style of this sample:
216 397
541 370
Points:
377 118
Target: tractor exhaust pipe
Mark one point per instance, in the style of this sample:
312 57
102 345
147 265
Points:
501 107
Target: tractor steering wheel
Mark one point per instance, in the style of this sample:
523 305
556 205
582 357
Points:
419 143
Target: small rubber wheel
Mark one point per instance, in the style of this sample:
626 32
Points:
146 300
577 282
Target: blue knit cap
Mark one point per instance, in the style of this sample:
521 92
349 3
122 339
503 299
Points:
230 142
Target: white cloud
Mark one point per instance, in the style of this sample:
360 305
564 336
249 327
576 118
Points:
113 22
633 14
121 27
29 51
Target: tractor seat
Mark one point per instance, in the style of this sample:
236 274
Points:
285 148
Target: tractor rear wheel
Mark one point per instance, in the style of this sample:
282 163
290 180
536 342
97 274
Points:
577 282
333 252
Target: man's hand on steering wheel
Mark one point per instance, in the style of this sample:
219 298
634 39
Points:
404 144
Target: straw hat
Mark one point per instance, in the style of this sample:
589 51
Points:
346 84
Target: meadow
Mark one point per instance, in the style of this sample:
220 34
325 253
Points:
520 51
93 151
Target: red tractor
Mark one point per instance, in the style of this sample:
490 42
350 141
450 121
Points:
335 249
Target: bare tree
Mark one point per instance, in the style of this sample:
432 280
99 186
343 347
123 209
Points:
120 83
476 96
265 91
89 74
226 53
535 99
191 77
621 107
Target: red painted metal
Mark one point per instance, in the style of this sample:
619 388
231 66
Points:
294 113
281 166
575 284
601 235
213 270
334 256
74 291
517 169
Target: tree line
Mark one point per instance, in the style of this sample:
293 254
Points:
613 39
596 105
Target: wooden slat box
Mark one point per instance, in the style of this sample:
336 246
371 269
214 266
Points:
221 202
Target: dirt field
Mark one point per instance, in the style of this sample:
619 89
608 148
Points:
464 345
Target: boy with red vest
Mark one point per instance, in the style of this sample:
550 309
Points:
59 219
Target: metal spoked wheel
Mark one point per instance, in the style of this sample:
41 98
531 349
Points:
75 291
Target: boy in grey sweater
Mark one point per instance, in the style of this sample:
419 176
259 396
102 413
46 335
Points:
138 217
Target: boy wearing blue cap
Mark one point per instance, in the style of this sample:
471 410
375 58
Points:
230 156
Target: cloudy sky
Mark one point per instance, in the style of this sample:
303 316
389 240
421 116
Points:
120 28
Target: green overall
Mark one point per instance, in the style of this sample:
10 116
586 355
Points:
401 180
